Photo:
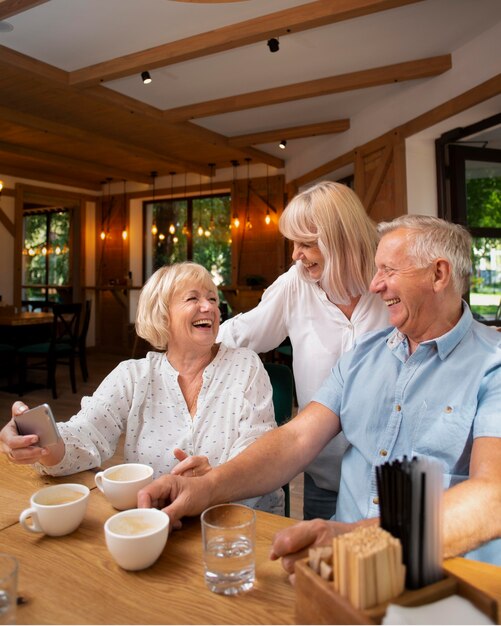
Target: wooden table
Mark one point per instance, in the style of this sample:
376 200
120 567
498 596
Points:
18 483
74 580
25 318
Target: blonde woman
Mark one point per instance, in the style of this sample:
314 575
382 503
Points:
323 305
189 406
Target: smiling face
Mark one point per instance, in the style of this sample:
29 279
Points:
407 290
194 317
311 258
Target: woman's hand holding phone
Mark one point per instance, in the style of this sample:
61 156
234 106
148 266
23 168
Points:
26 448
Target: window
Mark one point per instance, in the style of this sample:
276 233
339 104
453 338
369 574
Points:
189 229
471 195
46 259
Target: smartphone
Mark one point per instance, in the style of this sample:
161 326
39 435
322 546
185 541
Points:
39 421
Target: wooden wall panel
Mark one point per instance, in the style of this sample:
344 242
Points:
112 302
379 182
258 251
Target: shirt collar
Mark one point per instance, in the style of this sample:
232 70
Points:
446 343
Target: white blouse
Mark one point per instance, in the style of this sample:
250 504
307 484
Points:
143 399
319 333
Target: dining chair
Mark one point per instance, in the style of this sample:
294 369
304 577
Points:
282 383
7 361
60 349
81 346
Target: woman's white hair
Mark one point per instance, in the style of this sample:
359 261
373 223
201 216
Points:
152 317
431 238
332 216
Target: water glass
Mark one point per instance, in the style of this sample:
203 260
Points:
229 537
8 589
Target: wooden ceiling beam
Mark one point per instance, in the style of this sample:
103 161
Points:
280 23
294 132
39 175
63 130
100 170
398 72
8 8
29 64
197 133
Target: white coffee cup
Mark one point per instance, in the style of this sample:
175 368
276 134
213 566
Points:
136 538
57 510
121 483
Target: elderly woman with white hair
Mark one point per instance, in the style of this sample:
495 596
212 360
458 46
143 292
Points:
323 305
184 408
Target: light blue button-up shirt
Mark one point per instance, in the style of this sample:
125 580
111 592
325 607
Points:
433 403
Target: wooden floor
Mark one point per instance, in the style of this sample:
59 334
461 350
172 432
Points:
68 403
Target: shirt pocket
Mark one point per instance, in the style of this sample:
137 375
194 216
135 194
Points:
444 431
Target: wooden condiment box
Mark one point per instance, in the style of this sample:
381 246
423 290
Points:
318 603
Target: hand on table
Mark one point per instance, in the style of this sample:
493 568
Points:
293 543
190 466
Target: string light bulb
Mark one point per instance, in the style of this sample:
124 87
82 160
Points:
267 219
154 229
124 229
236 221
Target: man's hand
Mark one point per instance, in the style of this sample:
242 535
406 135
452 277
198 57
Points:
293 543
178 496
190 466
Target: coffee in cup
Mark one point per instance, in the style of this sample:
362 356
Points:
57 510
136 537
120 483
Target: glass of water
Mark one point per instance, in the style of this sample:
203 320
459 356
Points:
229 537
8 589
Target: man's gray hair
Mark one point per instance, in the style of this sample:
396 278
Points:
431 238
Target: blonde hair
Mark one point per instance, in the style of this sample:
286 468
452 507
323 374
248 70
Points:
432 238
332 216
152 317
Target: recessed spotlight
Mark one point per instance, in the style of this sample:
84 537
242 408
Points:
146 78
5 27
282 145
273 44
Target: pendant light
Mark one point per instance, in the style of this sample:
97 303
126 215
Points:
212 223
172 227
267 218
106 215
154 228
124 220
200 229
235 219
185 231
248 223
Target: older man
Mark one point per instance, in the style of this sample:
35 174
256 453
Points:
429 386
